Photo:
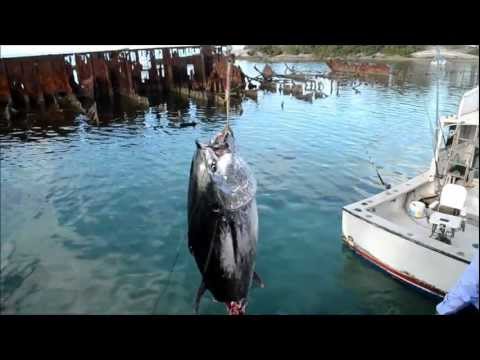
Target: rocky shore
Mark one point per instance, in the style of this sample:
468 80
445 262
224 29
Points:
451 54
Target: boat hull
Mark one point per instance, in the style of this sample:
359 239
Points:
425 268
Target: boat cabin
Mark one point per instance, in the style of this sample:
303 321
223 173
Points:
425 231
458 151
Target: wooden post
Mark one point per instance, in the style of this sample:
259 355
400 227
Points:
167 67
203 72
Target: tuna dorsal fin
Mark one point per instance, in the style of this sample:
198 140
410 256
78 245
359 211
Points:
257 280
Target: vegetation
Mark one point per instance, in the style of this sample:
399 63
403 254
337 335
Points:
473 51
270 50
402 50
334 50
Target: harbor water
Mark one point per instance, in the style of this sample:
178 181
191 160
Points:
93 218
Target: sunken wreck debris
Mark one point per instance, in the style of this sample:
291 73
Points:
204 76
362 68
130 77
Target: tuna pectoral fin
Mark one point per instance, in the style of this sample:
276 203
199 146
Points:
201 290
257 280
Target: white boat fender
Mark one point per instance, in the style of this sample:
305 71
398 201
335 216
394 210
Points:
416 209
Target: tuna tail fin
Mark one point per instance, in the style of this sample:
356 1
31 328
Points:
257 280
201 290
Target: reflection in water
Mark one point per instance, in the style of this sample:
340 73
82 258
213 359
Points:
376 290
13 279
96 213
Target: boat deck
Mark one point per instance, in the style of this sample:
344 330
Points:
387 210
462 244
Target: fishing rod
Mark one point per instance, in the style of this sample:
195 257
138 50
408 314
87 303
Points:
387 186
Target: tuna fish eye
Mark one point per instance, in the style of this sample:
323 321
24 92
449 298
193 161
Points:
213 166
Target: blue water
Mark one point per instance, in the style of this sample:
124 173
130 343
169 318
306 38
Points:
93 217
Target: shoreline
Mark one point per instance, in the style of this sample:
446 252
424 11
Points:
419 56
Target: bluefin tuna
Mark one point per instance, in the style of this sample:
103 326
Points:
223 222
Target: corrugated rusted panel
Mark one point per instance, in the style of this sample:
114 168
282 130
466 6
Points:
167 63
5 96
101 74
53 76
60 75
15 73
121 73
137 75
199 80
97 75
127 71
153 73
180 75
31 80
218 77
85 76
208 55
16 83
34 77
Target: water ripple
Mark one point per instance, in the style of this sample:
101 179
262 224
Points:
96 213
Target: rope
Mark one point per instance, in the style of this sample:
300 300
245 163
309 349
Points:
169 276
370 159
175 262
173 265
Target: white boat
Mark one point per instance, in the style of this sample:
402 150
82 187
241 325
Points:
424 232
441 62
439 59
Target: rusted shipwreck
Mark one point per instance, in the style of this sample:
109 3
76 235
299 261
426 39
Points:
358 68
76 81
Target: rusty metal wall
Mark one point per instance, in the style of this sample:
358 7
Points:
100 75
86 77
5 96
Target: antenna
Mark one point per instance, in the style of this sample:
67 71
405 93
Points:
438 77
437 116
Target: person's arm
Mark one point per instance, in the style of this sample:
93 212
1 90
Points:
464 293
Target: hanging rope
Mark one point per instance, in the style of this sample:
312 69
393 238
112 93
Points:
169 275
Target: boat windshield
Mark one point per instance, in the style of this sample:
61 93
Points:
469 103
